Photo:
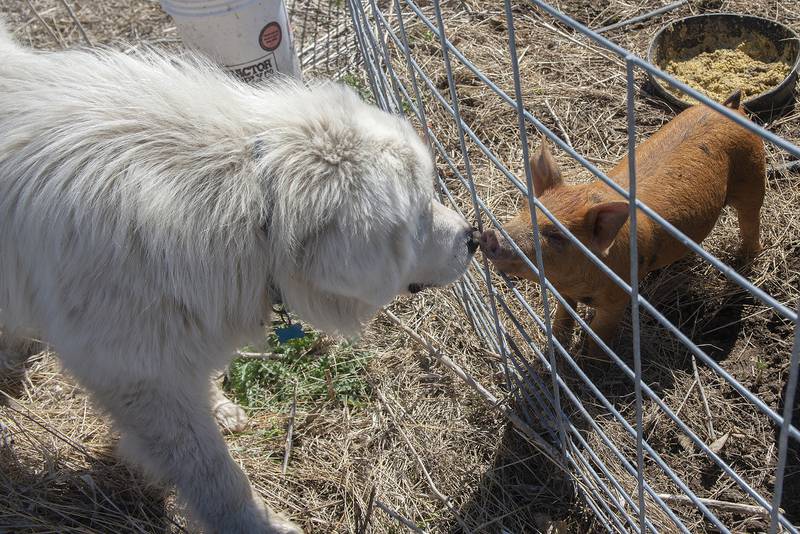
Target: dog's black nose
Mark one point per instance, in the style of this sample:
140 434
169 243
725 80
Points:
473 240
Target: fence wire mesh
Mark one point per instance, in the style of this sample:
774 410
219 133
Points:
627 476
323 37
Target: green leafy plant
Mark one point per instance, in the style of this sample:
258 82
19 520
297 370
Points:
313 367
357 82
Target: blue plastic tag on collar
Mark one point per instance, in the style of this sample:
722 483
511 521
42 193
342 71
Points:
287 333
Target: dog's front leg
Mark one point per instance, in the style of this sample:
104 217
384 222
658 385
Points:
168 428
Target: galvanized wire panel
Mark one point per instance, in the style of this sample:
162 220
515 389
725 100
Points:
323 37
606 446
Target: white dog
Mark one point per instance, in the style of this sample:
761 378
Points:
152 209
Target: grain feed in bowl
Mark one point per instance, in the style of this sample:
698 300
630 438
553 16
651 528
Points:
753 65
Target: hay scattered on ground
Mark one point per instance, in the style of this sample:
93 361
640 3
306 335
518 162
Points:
422 428
578 91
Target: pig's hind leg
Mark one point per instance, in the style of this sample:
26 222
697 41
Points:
746 188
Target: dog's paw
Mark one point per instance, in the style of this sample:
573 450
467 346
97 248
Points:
230 416
276 523
281 525
11 361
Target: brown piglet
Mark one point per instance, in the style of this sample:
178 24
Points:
686 172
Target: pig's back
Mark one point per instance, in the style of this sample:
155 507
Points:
683 172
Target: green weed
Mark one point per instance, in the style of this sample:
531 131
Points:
319 371
357 82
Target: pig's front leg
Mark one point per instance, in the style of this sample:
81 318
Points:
605 324
563 323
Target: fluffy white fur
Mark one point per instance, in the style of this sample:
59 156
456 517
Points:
147 204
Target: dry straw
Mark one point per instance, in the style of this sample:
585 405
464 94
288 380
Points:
425 435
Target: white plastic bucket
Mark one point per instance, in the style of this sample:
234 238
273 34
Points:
251 38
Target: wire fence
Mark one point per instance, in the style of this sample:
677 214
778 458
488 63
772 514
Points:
323 37
547 382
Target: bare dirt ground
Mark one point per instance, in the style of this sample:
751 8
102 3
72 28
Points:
429 448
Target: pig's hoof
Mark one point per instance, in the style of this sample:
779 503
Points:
595 353
563 334
749 252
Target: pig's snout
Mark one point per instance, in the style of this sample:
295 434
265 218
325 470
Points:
489 243
494 246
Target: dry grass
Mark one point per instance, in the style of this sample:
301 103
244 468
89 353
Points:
60 474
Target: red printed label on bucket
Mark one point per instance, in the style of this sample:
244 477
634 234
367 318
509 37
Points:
270 36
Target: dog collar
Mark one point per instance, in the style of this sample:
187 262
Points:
274 295
288 329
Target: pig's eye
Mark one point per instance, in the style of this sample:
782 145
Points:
554 237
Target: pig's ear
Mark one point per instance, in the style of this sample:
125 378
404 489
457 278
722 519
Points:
544 168
735 100
604 222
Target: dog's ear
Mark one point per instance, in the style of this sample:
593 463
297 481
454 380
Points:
604 222
544 169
